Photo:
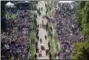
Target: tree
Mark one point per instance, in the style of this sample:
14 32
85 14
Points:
81 51
83 17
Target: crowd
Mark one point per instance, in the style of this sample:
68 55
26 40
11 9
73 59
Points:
14 43
67 30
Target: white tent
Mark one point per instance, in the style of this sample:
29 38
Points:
66 1
26 1
9 4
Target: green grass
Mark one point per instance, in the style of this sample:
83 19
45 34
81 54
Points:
33 34
32 37
32 40
53 41
56 44
49 14
10 16
52 48
50 5
53 25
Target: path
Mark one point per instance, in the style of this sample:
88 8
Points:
42 32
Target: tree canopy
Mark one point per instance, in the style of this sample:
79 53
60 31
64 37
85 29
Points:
81 50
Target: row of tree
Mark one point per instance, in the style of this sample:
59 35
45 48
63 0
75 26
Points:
81 51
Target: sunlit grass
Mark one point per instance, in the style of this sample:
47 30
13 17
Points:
32 36
53 40
49 7
10 15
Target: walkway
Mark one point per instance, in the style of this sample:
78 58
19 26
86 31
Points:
42 32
